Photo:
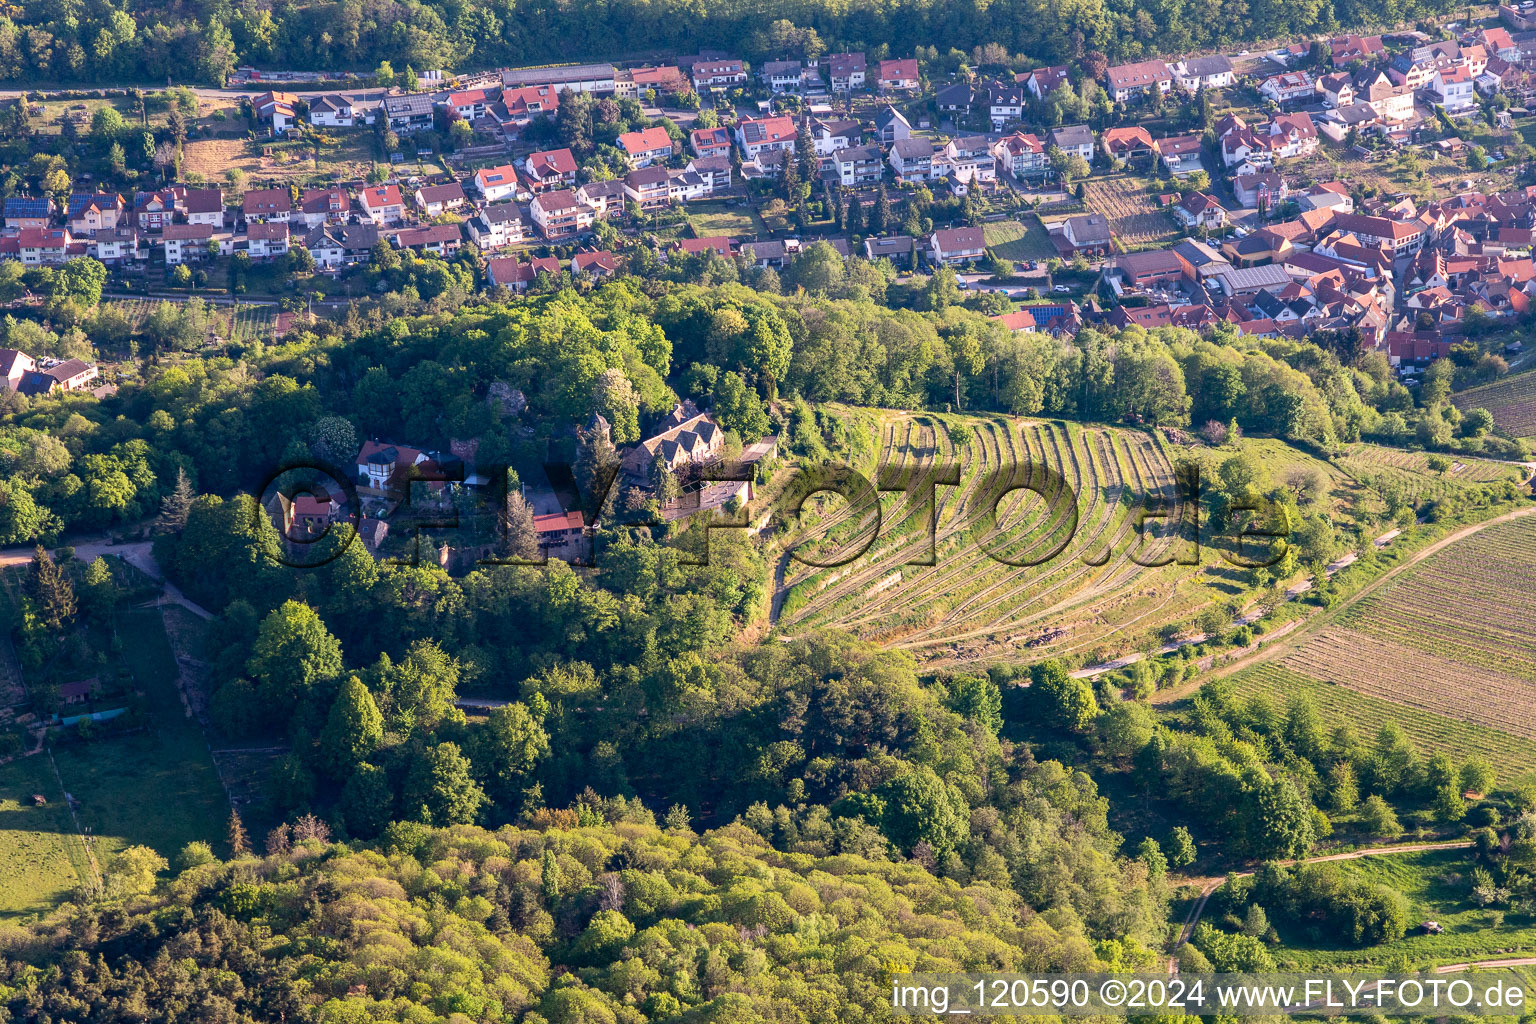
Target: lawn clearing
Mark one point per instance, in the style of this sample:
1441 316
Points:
349 159
1011 240
1438 885
710 220
156 787
44 857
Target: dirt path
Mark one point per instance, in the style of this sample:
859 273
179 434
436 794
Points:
1208 886
139 554
1519 961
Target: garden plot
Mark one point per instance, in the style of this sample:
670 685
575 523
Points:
1131 210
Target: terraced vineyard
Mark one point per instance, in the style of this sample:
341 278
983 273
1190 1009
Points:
1511 400
1448 649
972 604
1410 472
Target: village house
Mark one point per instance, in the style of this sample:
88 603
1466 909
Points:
606 198
1020 155
899 249
321 205
496 183
715 171
696 440
1197 73
957 99
266 240
266 204
898 76
846 71
827 136
1145 271
38 247
409 113
28 212
1127 80
331 111
1264 189
438 239
601 263
644 148
184 243
1337 89
718 74
710 141
1005 103
1086 233
560 214
1041 81
382 466
552 168
340 246
957 245
1132 144
14 365
1180 154
1198 210
497 226
648 187
765 135
858 165
1453 89
90 213
781 75
1288 88
891 126
116 246
436 200
69 375
1073 140
382 204
666 81
965 160
912 159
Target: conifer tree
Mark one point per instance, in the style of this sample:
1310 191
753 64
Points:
52 590
176 506
239 842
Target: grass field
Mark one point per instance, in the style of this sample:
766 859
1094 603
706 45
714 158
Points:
1410 472
1437 885
1011 240
157 787
349 159
1511 400
711 219
44 857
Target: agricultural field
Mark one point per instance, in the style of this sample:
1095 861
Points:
1410 472
711 219
1512 401
1448 648
1438 886
1085 596
1132 212
1012 240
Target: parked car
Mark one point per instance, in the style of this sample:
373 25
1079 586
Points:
1061 289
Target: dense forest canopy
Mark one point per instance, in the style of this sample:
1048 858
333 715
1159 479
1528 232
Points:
46 40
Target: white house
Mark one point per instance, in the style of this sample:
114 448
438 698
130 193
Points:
496 183
331 111
912 159
957 245
1204 73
